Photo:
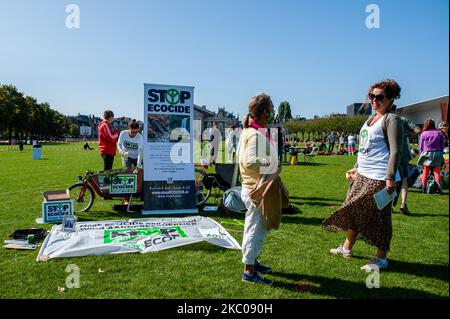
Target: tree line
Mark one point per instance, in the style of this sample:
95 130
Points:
23 117
319 128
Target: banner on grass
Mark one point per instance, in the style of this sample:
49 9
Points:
130 236
169 176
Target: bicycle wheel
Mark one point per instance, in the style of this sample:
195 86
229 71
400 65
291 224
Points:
81 202
202 194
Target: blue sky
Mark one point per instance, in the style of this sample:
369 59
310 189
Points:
318 55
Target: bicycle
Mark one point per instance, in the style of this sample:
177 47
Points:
98 183
202 193
92 183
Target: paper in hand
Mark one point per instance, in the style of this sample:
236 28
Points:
382 198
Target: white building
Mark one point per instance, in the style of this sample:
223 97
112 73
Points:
436 108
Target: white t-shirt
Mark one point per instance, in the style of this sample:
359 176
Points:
373 155
351 140
133 146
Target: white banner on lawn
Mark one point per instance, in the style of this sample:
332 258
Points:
136 235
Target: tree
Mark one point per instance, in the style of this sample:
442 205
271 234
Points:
22 116
74 130
321 126
10 102
284 112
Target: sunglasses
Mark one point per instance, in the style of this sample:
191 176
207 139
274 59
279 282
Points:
379 97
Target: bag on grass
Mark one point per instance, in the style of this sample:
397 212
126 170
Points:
431 185
232 199
413 174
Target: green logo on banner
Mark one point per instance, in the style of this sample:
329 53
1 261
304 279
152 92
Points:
364 137
127 235
172 96
123 184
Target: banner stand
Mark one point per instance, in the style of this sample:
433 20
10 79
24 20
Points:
169 172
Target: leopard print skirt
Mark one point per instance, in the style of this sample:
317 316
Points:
359 213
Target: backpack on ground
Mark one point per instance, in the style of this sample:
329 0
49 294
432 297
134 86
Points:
431 186
413 174
232 199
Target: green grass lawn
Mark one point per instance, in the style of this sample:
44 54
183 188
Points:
298 251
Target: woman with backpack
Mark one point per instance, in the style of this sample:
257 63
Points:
431 154
381 139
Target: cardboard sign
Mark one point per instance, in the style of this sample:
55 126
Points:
53 212
123 184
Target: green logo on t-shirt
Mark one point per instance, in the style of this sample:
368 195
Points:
130 145
364 137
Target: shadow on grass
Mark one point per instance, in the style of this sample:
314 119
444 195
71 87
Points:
317 198
439 272
339 288
323 204
204 247
233 215
413 214
310 164
297 219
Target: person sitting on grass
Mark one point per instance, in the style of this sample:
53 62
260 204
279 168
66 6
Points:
322 147
86 147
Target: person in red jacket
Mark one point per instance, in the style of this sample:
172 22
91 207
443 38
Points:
107 140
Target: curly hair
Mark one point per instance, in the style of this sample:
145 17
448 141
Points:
390 88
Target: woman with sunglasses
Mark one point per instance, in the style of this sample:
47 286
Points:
381 138
131 145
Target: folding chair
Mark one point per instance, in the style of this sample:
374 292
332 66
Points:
225 177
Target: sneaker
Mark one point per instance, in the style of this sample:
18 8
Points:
256 277
375 264
263 269
404 210
340 251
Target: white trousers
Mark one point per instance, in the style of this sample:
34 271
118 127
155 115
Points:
254 230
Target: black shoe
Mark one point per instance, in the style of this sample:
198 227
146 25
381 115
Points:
404 210
291 210
263 269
